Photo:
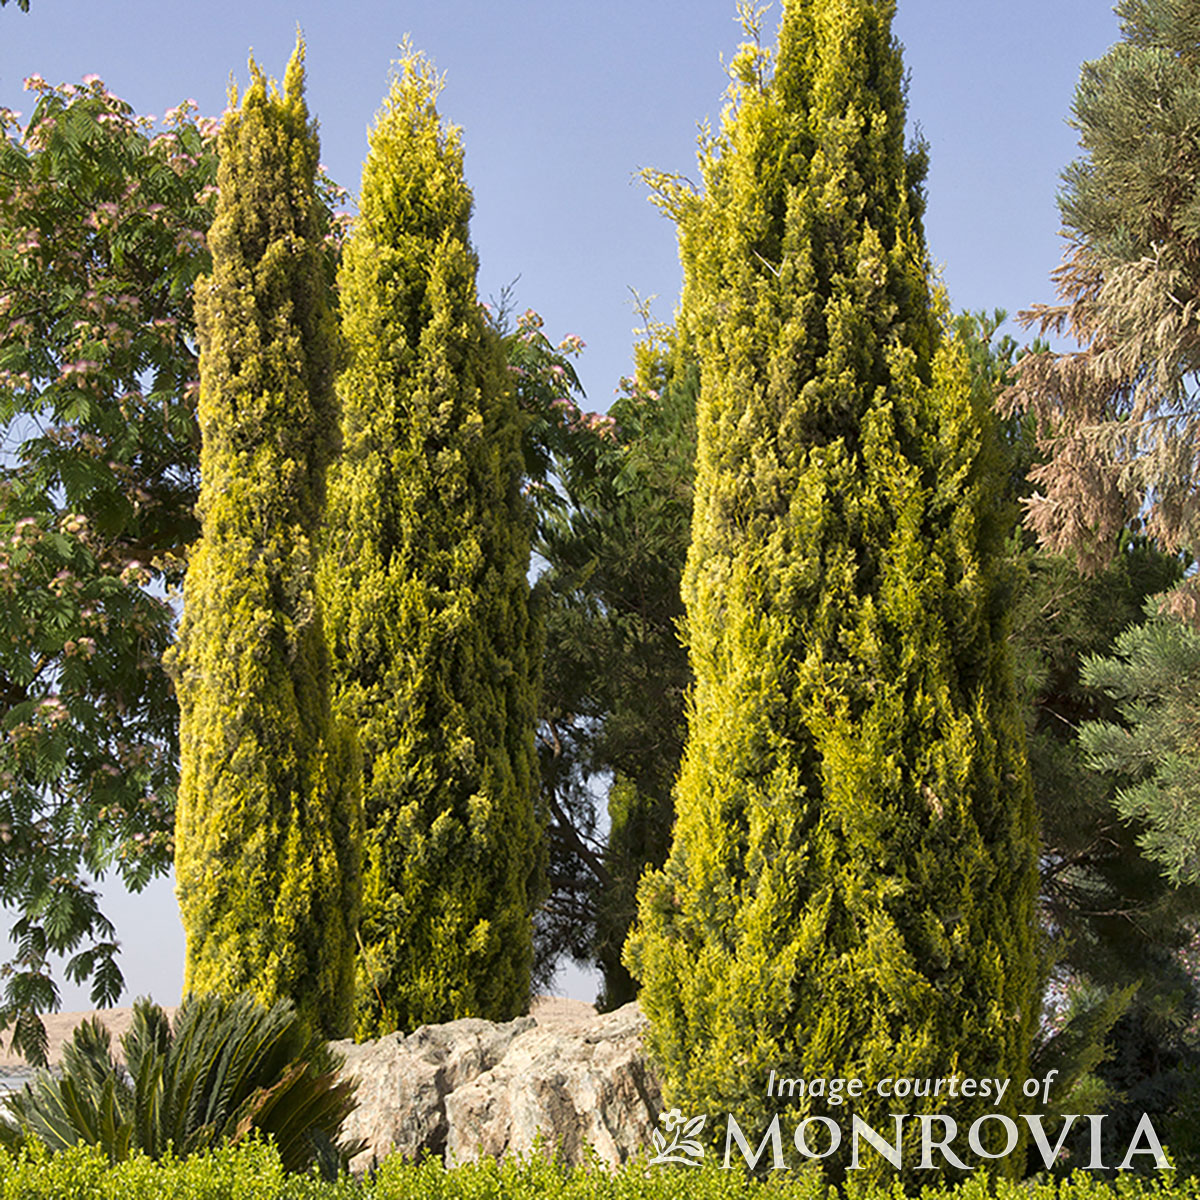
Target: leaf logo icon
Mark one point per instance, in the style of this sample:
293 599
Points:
684 1148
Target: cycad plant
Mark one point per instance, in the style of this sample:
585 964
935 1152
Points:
228 1068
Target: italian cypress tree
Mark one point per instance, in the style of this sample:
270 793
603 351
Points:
852 881
434 649
268 820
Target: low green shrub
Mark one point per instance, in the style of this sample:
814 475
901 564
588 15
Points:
253 1170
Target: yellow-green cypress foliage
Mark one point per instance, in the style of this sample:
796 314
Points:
268 827
851 886
428 601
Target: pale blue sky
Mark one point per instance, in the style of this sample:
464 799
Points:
561 102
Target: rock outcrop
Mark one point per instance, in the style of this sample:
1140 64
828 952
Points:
472 1088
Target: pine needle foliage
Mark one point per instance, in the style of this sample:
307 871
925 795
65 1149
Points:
852 882
434 649
616 671
1118 420
268 820
1154 678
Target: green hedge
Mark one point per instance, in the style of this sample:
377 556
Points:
252 1171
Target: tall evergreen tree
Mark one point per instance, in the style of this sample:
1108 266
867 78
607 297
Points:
434 649
1154 678
851 886
268 818
1123 1003
1119 419
616 671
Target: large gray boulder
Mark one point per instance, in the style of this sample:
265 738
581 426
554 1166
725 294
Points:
572 1088
470 1088
403 1082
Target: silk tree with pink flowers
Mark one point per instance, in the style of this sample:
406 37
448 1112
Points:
102 232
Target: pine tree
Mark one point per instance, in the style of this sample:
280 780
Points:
1119 927
1123 1000
1118 420
434 649
268 822
1154 677
851 886
616 672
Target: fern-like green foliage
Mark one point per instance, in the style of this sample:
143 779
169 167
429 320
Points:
268 825
852 881
225 1069
424 575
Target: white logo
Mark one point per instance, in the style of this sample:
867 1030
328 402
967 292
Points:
683 1147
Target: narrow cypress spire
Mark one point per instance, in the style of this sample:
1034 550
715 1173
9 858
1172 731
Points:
851 886
434 650
269 818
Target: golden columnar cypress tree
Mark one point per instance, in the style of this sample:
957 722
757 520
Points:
268 823
852 881
428 600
